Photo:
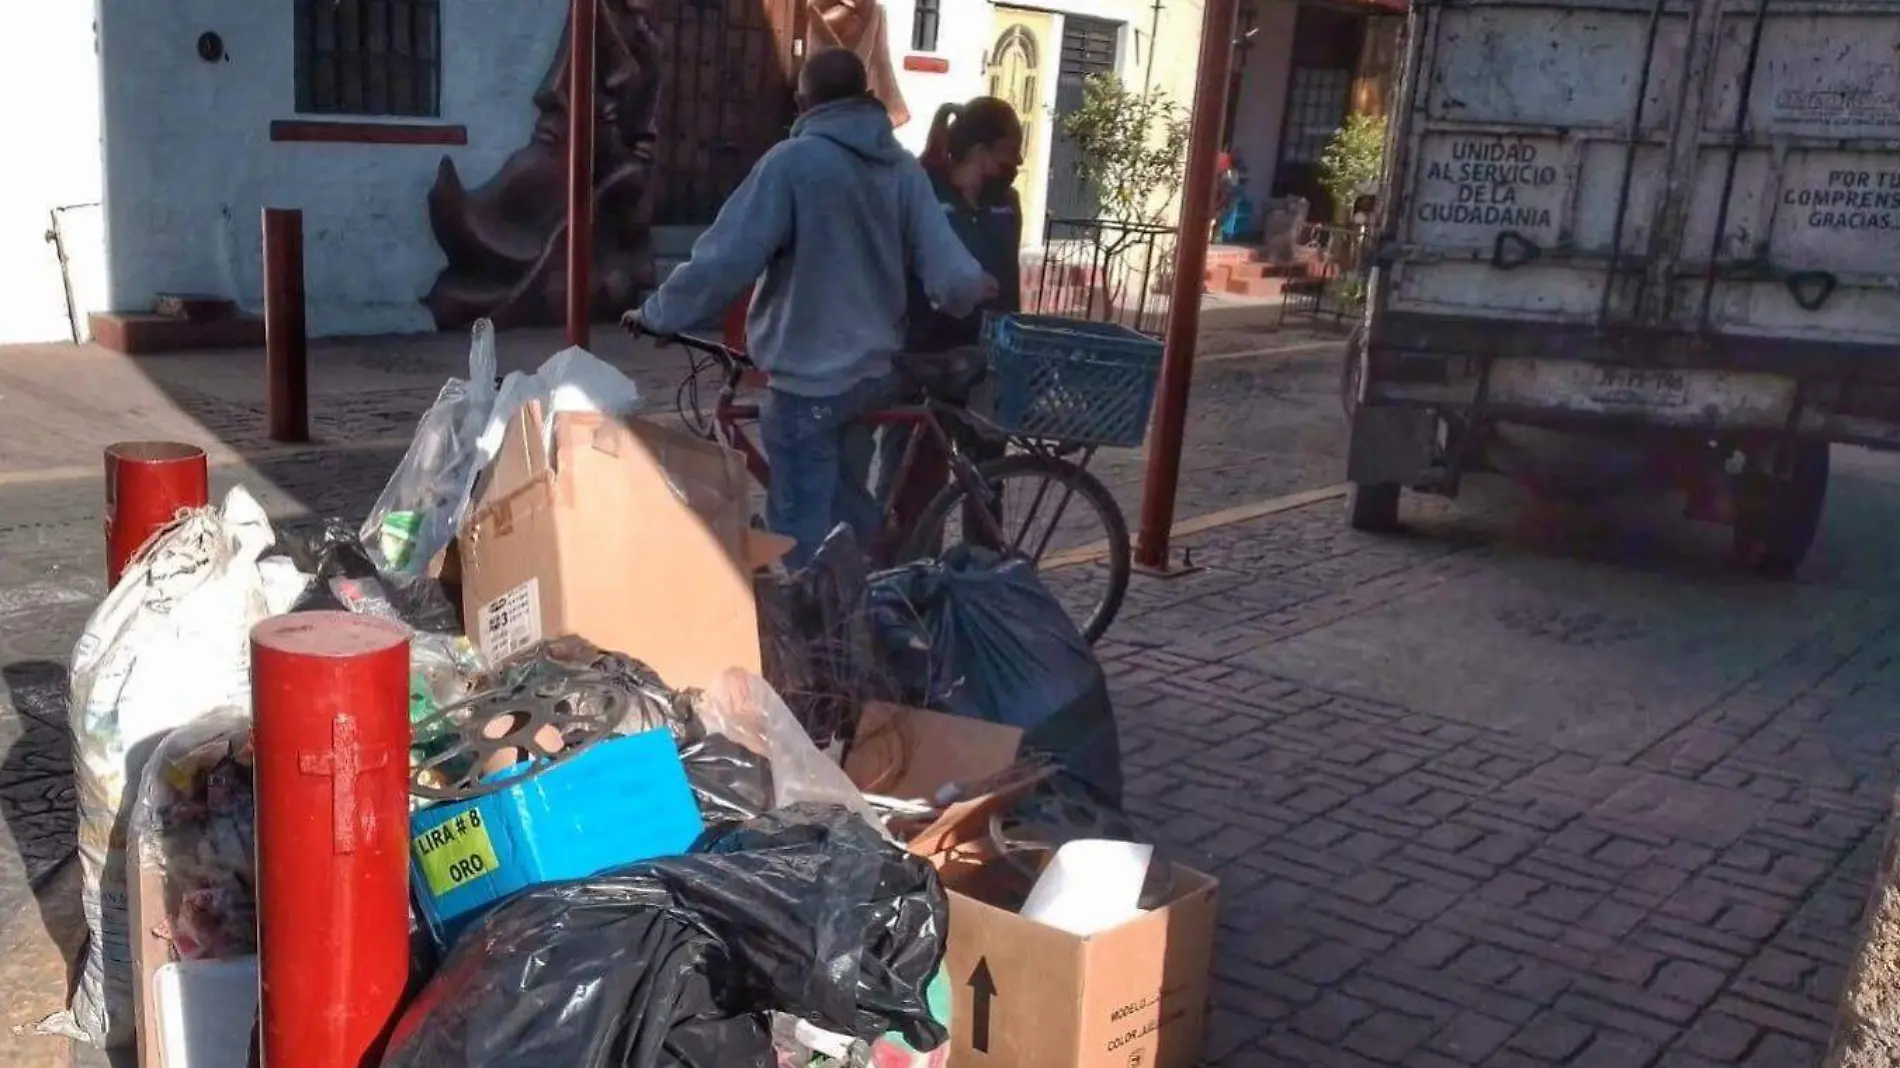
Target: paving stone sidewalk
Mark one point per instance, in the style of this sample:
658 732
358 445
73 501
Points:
1496 795
1414 882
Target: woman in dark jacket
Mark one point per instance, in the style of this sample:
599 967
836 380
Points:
972 155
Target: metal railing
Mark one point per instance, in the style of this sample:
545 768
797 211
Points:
1334 287
1103 271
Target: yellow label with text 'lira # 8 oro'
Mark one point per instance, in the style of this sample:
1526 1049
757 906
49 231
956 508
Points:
455 853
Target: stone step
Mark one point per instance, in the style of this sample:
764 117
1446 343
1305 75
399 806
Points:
1258 288
194 307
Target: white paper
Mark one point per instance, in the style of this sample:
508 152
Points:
1091 885
205 1010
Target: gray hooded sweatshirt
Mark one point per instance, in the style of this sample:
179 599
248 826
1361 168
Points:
830 224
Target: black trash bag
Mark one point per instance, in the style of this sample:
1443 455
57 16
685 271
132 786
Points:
674 963
346 580
972 636
731 783
818 650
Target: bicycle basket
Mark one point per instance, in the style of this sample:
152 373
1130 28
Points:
1072 381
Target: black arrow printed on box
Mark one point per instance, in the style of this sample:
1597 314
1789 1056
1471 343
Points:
983 987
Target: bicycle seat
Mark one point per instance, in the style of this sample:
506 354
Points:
951 375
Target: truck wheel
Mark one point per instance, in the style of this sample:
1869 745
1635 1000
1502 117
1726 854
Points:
1375 508
1780 517
1349 374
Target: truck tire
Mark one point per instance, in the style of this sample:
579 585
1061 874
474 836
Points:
1349 373
1373 509
1777 525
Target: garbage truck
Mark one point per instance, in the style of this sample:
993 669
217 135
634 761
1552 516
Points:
1654 241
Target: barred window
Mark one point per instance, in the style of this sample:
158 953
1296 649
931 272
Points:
926 16
369 57
1316 107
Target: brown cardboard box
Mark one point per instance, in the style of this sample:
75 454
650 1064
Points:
631 535
145 887
1031 996
1027 995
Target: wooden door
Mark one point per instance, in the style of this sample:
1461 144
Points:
1018 65
726 98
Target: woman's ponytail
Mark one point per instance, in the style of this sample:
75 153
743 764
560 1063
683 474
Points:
936 157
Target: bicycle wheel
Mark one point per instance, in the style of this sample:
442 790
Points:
1054 513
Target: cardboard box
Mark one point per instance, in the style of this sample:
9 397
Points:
1026 995
620 801
631 535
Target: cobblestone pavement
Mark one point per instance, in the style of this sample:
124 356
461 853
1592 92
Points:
1478 800
1517 791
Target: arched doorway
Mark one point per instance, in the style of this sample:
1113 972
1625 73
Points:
1016 73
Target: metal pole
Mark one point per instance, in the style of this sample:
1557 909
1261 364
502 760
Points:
1184 305
330 715
286 335
580 171
147 484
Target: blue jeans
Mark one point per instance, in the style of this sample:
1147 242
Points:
821 465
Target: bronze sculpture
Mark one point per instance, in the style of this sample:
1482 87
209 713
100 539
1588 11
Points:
506 239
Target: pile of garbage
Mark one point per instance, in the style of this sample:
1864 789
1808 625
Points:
669 804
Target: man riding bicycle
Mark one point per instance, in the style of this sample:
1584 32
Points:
830 224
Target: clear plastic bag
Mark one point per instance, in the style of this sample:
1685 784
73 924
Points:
422 505
745 708
815 629
195 823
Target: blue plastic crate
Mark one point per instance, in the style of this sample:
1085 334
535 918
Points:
1072 381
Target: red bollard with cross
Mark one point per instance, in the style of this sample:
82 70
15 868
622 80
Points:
330 709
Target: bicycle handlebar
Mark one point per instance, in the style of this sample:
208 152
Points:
721 352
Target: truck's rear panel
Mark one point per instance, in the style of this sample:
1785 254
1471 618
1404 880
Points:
1561 176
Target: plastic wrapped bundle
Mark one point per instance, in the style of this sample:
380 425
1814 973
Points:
195 823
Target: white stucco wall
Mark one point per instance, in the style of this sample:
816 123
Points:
49 127
1262 107
969 27
189 164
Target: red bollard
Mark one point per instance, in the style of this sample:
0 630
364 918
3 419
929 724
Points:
286 333
147 484
330 710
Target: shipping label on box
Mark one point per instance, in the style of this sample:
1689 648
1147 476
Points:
510 623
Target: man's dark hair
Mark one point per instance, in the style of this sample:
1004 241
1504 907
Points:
832 75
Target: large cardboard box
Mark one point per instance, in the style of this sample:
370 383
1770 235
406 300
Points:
1026 995
631 535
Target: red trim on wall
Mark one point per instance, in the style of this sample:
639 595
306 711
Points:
927 64
366 133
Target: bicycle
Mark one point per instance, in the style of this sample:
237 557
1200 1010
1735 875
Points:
978 493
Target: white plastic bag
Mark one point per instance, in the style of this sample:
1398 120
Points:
422 505
169 644
572 380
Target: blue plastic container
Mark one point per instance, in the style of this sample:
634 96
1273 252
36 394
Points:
1070 380
622 800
